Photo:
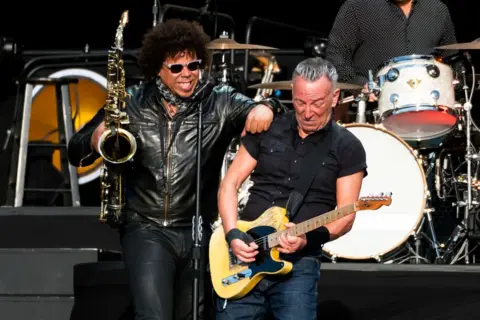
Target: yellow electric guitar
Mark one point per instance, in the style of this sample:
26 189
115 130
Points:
233 279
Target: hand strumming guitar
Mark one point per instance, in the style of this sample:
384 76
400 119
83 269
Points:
238 243
244 252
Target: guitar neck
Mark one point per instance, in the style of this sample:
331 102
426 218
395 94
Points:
312 224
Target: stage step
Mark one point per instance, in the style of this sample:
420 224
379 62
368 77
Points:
55 227
38 283
36 308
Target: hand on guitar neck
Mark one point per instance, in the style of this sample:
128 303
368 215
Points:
290 243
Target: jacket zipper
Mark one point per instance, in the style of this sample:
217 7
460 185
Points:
167 191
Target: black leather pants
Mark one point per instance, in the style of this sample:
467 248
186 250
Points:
160 270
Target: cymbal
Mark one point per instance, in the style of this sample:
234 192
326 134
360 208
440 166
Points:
278 85
230 44
474 45
287 85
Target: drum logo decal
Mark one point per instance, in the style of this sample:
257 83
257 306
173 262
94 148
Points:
414 83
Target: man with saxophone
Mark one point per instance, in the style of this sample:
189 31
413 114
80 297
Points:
156 234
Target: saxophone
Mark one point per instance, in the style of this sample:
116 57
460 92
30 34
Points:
116 145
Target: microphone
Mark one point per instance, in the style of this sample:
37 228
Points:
207 86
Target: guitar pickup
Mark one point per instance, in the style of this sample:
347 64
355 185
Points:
233 260
237 277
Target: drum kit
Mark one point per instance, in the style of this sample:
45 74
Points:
418 127
419 146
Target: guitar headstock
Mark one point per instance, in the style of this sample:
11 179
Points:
374 202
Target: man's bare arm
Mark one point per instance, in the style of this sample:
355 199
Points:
348 191
241 167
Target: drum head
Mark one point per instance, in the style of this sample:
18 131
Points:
392 167
421 124
417 97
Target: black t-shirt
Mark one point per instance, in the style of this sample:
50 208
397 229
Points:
280 155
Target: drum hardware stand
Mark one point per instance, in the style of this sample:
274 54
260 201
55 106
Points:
362 106
461 232
419 235
224 65
363 98
155 11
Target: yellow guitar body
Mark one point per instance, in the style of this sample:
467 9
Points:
244 277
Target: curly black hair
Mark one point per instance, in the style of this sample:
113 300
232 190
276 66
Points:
169 38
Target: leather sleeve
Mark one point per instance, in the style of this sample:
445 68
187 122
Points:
240 105
80 152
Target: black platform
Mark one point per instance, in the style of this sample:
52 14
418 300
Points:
346 291
47 271
55 227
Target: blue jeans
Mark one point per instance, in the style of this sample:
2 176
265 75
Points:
288 297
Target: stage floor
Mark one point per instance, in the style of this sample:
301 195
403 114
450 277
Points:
40 247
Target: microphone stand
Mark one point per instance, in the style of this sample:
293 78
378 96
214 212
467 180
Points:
197 220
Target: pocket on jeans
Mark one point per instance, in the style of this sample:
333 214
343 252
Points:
308 265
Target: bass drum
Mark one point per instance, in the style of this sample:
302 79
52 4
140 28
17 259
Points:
392 167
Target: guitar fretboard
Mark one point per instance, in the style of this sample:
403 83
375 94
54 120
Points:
311 224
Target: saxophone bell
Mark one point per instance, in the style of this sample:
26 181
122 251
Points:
117 145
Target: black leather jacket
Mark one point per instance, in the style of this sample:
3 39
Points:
164 191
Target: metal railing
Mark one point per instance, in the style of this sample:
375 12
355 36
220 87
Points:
63 58
253 20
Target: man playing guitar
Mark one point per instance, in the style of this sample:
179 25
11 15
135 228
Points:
277 159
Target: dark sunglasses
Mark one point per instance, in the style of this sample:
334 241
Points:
178 67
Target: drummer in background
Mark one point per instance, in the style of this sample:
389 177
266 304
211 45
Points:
366 34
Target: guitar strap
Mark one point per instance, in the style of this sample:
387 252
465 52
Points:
313 160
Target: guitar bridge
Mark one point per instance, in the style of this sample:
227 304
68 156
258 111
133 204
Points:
233 260
237 277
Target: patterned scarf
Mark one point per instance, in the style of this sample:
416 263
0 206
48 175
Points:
174 100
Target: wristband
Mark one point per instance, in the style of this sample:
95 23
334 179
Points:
319 236
233 234
237 234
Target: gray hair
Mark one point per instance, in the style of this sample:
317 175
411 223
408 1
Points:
312 69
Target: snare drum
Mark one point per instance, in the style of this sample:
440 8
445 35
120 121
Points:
417 99
392 167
